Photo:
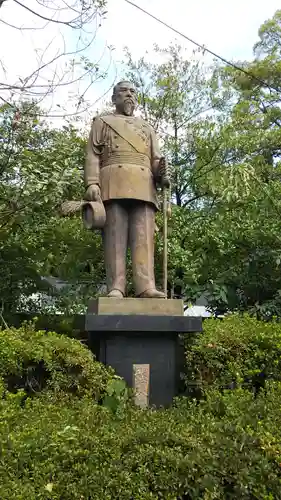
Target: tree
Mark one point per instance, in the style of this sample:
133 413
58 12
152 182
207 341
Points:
39 168
173 95
224 236
60 66
223 141
238 163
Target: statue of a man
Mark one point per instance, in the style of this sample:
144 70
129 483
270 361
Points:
123 166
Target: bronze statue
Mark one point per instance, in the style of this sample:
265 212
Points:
123 166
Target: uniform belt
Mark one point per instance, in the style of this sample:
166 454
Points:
126 157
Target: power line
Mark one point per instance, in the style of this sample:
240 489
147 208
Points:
217 56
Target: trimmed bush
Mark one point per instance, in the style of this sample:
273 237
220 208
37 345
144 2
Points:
58 446
238 351
36 361
226 447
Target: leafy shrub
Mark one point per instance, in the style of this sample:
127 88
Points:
223 448
226 446
238 351
37 361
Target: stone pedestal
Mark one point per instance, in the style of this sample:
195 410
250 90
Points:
130 306
139 339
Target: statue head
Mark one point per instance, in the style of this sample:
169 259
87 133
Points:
124 98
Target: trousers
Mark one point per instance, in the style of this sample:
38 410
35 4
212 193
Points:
129 224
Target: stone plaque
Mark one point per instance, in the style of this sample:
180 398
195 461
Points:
141 384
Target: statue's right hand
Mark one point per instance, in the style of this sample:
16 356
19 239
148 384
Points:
93 193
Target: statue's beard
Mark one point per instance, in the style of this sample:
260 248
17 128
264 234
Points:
128 108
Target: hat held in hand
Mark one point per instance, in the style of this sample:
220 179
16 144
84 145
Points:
93 212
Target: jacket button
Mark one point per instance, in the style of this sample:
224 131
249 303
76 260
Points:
142 168
120 166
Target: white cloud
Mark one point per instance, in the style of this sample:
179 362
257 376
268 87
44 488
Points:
228 28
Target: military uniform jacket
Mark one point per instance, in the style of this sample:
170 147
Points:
122 158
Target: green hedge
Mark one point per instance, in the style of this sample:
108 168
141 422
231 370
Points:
73 433
36 361
238 351
226 447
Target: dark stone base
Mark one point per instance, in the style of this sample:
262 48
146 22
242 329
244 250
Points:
142 323
122 341
122 352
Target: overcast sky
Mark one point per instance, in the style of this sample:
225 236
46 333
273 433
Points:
227 27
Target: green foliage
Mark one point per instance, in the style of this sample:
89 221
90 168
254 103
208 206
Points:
224 448
238 351
173 94
117 396
270 36
221 133
56 445
228 255
36 361
238 163
40 167
220 130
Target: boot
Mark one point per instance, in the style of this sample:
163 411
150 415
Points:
115 294
152 293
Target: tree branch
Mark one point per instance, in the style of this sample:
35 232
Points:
66 23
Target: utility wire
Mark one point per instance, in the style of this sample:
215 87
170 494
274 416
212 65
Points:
217 56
